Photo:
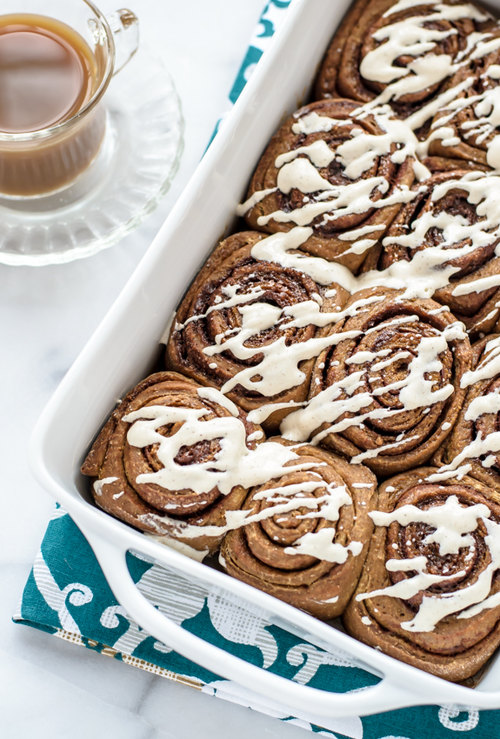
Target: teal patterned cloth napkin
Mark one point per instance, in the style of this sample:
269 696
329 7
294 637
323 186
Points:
68 596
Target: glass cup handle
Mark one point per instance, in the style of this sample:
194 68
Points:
125 28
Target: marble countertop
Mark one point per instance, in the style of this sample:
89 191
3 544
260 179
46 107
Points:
49 687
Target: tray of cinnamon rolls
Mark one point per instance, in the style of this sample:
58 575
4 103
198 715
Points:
319 423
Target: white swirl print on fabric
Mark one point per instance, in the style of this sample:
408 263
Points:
233 620
174 596
309 658
181 600
76 593
109 617
133 635
447 714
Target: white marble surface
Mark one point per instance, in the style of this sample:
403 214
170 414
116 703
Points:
48 687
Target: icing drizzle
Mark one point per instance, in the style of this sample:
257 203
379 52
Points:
429 270
453 526
235 464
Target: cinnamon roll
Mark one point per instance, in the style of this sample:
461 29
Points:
388 390
473 446
429 593
451 228
307 533
468 127
254 320
340 175
166 460
401 52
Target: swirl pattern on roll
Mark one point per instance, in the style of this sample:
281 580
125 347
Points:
161 458
252 326
453 226
402 53
341 175
388 391
467 128
312 554
473 446
429 593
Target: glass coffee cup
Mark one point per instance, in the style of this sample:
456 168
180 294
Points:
54 71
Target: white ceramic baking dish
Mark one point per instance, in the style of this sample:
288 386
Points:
122 351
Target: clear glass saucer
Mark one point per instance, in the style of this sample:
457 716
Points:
139 157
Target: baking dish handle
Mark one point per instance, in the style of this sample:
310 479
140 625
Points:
383 696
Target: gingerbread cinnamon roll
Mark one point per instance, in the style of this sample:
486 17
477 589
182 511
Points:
473 446
340 175
307 533
166 461
451 229
429 593
254 320
388 390
467 127
400 52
